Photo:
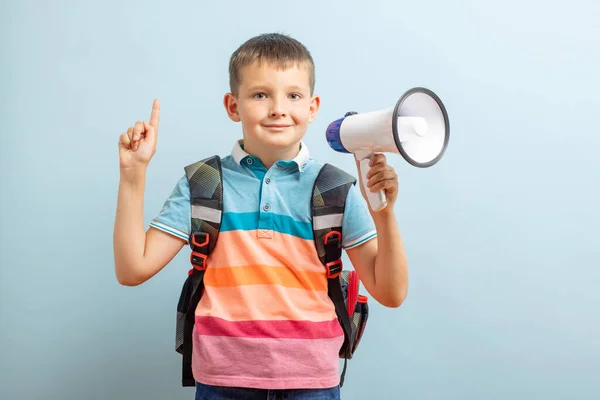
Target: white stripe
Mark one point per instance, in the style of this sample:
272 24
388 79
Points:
327 221
206 213
168 229
361 240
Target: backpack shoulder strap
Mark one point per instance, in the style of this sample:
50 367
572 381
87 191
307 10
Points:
328 203
206 199
206 196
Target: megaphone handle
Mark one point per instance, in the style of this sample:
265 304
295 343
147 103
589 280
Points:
377 200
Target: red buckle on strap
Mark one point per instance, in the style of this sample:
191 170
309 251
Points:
198 260
195 262
200 244
334 269
330 234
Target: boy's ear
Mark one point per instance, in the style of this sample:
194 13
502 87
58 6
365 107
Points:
315 103
230 103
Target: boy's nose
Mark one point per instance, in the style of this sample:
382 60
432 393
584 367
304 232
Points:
277 109
277 113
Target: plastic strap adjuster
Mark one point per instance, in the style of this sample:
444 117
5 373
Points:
328 238
334 269
333 252
199 254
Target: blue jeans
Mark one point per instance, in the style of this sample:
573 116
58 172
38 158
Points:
205 392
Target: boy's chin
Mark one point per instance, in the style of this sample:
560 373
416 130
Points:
275 141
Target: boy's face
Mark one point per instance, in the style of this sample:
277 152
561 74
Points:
273 104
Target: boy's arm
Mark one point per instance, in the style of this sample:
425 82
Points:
139 255
381 264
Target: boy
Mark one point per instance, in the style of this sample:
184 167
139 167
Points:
264 276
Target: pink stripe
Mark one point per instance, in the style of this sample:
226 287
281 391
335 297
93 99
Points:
266 363
213 326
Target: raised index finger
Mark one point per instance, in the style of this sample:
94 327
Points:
155 115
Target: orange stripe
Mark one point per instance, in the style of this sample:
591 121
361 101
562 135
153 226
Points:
265 275
246 248
265 302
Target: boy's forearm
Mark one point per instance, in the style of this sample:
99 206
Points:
391 270
129 239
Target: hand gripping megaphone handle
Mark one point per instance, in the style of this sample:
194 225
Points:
377 200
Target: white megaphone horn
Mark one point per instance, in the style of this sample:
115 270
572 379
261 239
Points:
417 128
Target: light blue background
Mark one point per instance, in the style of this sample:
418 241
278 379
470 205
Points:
502 235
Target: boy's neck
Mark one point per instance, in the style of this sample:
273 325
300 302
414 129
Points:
269 156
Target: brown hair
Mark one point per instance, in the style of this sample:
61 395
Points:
276 48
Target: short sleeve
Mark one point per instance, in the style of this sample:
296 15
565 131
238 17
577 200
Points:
174 217
358 225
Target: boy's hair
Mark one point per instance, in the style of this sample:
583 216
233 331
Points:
276 48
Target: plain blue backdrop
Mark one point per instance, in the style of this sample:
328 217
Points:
502 234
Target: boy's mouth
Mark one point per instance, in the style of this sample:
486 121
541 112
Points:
276 127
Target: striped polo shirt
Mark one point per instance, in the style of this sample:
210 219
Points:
265 319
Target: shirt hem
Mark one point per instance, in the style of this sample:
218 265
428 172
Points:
270 384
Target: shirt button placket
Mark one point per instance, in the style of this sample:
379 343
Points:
267 206
265 223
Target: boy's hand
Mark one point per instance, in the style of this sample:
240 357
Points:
138 144
380 177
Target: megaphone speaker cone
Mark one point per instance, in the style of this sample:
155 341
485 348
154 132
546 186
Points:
420 127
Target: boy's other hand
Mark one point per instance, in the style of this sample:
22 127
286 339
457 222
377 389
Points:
138 144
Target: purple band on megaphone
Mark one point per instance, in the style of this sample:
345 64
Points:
333 135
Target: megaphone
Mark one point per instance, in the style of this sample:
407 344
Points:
416 127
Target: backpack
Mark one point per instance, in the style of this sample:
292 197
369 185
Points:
327 209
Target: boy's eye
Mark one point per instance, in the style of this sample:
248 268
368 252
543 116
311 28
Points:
259 96
295 96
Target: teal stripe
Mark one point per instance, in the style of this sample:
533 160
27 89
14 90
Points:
286 224
239 221
281 223
162 228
